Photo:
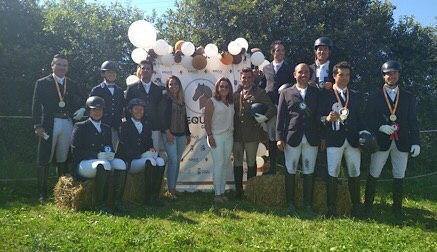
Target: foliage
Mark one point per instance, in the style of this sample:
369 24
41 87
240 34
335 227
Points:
194 223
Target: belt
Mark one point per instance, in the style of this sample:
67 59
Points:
61 115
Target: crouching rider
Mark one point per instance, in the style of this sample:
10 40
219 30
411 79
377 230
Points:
136 148
93 156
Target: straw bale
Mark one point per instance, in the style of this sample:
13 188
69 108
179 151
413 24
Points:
270 190
134 190
70 194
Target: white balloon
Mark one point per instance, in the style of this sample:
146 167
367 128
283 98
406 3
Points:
261 150
265 63
132 79
188 48
138 55
234 48
187 62
259 161
142 34
211 50
257 58
213 64
161 47
167 60
170 49
243 43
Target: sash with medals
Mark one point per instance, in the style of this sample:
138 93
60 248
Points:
392 110
61 103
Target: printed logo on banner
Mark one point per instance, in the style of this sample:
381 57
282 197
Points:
197 93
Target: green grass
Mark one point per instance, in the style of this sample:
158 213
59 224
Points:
195 223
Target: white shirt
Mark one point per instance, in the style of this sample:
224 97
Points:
97 125
342 93
392 92
276 66
59 79
111 87
222 117
322 71
138 125
146 86
302 91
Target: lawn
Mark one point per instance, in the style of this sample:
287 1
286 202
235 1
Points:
195 223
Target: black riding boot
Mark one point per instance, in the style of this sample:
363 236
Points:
354 191
331 191
369 196
251 172
273 151
62 169
100 189
398 191
43 173
119 184
158 175
308 188
148 183
238 180
290 183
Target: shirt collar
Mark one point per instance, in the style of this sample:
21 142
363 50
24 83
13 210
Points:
59 79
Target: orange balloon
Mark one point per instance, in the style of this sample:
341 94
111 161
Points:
178 45
226 58
199 62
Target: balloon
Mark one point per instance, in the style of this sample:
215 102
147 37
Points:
243 43
265 63
259 161
199 62
255 49
213 64
167 60
142 34
138 55
152 54
161 47
187 62
170 49
226 58
178 45
261 150
132 79
257 58
178 56
187 48
200 50
234 48
211 50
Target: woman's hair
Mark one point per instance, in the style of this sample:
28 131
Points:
180 97
217 96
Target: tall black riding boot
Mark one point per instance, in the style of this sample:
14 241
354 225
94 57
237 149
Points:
354 191
43 173
369 196
290 183
238 180
398 194
273 151
331 191
158 174
148 183
119 184
100 189
61 169
308 188
251 172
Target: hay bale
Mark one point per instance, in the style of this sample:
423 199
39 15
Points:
134 190
270 190
70 194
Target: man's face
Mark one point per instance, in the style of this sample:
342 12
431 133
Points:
137 112
302 74
60 67
109 76
146 72
278 53
246 79
342 77
322 53
391 78
96 114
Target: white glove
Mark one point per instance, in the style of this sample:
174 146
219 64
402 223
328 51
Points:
78 114
264 126
386 129
260 118
364 131
415 150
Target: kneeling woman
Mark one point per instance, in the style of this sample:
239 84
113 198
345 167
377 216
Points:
93 155
136 148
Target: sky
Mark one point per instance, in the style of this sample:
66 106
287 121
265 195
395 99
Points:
424 11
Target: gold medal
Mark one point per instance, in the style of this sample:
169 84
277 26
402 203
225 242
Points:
61 96
343 117
61 104
393 118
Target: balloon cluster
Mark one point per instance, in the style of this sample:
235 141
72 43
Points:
142 35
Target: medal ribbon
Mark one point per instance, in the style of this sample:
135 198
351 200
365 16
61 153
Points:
61 97
338 98
395 133
392 110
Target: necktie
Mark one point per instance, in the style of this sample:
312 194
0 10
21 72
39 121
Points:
343 97
276 68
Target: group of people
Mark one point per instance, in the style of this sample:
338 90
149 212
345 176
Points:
122 133
307 111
